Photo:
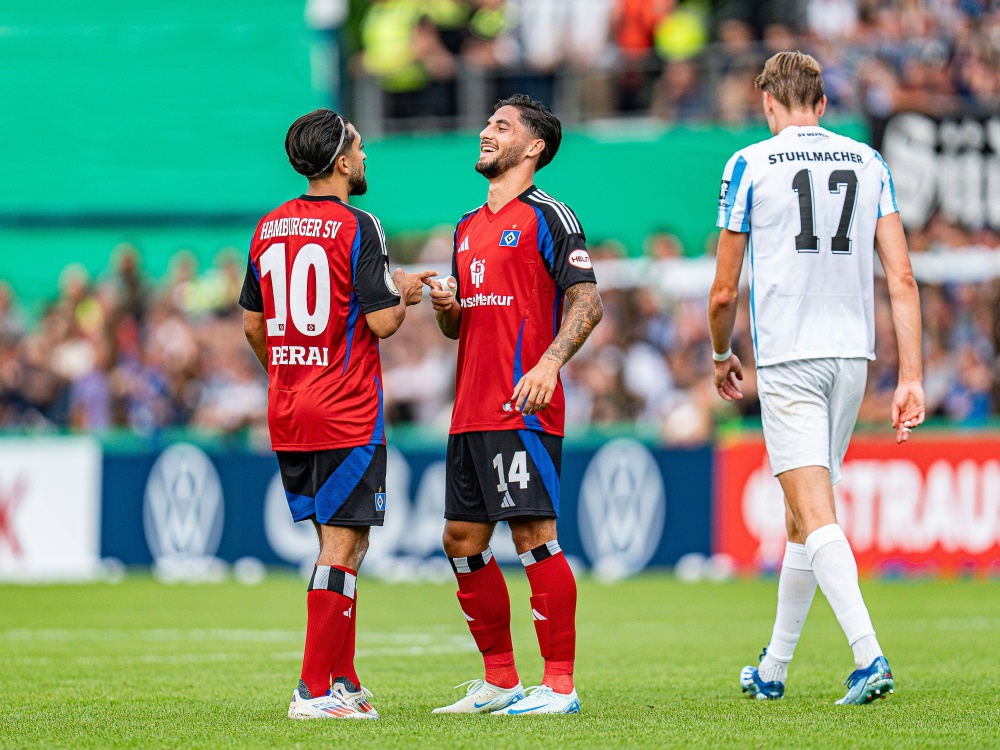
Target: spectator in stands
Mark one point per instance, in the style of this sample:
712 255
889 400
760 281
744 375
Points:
740 60
634 24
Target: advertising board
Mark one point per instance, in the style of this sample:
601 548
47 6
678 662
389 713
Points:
50 490
929 506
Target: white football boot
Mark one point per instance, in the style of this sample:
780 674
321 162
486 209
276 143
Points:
481 698
329 706
543 700
354 696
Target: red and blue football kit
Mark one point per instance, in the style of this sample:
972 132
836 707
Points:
512 268
317 266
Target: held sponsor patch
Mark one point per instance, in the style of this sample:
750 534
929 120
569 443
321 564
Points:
390 284
580 259
510 237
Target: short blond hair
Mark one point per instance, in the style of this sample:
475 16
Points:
794 79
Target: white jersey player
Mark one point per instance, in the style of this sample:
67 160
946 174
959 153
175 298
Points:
809 208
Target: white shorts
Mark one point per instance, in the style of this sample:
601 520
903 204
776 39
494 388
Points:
809 408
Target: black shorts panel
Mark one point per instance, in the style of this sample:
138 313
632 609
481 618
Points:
341 487
495 475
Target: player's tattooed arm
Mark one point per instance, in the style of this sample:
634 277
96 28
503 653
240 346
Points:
534 391
585 312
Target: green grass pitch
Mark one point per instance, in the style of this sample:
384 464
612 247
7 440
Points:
141 664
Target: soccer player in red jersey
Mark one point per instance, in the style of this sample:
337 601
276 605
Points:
515 259
317 297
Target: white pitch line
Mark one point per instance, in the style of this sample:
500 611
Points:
207 635
211 658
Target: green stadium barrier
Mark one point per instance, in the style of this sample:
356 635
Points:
162 124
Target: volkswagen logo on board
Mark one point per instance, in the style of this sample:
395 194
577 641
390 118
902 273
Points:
622 508
183 514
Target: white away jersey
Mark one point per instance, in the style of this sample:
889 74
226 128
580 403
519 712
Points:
809 200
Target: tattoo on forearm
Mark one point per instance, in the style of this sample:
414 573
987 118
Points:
449 325
585 312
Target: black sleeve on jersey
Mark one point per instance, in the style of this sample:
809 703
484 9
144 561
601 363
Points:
567 237
454 262
250 297
372 280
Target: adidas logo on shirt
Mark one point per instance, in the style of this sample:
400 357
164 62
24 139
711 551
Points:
464 246
508 501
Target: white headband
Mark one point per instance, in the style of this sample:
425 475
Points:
343 132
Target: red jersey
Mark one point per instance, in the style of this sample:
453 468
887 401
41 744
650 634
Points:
512 268
317 266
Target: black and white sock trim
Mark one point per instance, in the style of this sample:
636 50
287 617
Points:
328 578
472 563
538 554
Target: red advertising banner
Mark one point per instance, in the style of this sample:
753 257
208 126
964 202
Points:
931 505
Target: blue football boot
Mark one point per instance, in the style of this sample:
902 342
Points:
865 685
763 691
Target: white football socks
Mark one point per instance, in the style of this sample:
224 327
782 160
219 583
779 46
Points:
796 588
837 573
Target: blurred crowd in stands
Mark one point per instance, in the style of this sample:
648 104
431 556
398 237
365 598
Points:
674 60
125 351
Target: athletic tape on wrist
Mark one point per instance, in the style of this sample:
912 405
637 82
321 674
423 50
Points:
328 578
723 357
472 563
540 553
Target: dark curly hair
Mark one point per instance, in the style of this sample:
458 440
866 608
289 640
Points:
539 121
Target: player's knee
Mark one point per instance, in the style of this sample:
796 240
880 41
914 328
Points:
531 534
361 548
459 541
453 542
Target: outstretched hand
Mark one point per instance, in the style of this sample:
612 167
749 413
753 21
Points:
411 285
726 375
907 409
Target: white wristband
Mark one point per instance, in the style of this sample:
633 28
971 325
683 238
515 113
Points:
723 357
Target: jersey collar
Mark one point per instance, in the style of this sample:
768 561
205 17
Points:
316 198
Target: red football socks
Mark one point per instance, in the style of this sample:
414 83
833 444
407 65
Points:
343 666
553 607
482 594
330 601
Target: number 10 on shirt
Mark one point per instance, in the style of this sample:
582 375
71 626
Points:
311 257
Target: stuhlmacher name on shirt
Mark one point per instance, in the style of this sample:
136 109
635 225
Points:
293 226
785 156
